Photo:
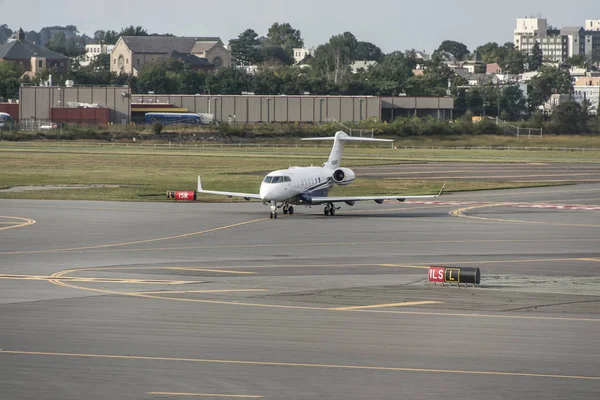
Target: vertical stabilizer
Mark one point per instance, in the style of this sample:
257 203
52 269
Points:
340 138
335 157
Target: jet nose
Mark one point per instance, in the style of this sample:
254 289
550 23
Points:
265 192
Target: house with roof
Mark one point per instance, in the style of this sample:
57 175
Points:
131 53
32 57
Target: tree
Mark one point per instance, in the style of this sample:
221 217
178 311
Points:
535 58
512 102
5 33
491 52
285 36
100 63
133 31
550 80
333 59
389 77
110 37
59 41
228 81
366 51
578 60
246 48
9 80
160 76
514 62
457 49
570 117
275 55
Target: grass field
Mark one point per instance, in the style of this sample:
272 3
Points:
146 173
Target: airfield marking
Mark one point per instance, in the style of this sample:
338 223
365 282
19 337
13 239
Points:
302 365
198 291
94 280
460 212
224 271
345 244
405 304
25 222
102 246
234 396
277 306
401 174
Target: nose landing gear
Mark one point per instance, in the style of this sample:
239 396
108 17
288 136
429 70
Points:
273 210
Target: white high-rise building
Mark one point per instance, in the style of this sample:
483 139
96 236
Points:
529 27
592 25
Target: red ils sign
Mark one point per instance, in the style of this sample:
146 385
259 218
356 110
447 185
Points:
436 274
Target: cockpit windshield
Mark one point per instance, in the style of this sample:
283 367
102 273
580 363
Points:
277 179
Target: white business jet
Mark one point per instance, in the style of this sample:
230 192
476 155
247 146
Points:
310 185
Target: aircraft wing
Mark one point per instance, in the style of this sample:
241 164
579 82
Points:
378 199
246 196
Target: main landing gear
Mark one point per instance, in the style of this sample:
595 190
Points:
288 209
330 209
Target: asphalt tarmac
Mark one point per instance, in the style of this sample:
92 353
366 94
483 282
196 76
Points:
195 300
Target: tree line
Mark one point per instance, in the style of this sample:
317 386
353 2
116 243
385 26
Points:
327 72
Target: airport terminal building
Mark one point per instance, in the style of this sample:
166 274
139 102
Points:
117 105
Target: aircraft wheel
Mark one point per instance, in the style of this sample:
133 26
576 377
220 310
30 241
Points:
275 215
326 211
271 216
285 211
332 211
291 210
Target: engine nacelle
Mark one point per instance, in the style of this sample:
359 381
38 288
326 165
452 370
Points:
343 176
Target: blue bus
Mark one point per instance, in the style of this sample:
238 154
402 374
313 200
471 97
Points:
173 118
5 119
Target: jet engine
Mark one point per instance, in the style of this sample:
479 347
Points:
343 176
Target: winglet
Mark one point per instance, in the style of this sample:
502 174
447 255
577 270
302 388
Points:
443 186
199 184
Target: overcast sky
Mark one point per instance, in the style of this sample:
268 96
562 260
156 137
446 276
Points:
390 24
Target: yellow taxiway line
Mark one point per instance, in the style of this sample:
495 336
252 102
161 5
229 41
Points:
198 291
405 304
233 396
305 365
223 271
26 222
94 280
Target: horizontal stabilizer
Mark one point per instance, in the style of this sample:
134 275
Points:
342 136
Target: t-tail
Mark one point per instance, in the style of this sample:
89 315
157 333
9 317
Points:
339 140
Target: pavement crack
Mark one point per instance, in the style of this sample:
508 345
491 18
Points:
551 305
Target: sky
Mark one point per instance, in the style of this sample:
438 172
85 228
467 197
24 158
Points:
390 24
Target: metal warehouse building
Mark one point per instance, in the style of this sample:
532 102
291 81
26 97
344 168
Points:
301 109
51 102
64 104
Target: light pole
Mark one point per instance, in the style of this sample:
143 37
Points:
216 109
321 100
361 103
268 111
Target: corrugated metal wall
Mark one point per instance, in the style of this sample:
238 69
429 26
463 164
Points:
253 109
36 101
